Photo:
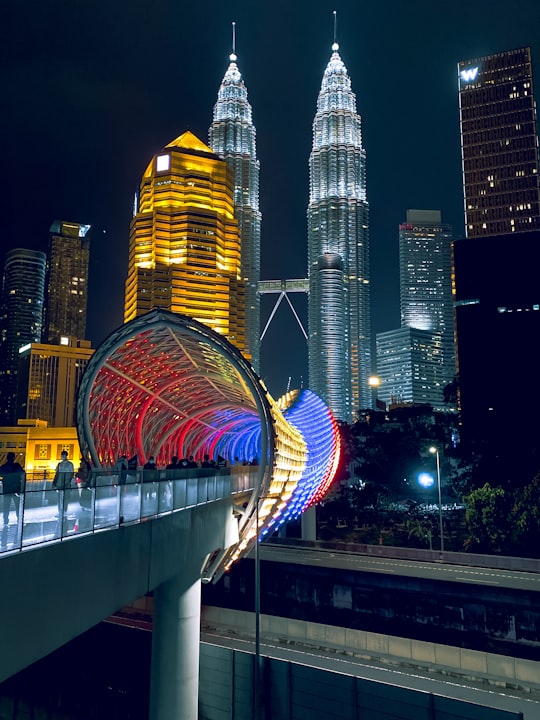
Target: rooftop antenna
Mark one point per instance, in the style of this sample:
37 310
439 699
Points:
335 46
232 56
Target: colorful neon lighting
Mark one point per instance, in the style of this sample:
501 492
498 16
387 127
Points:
166 385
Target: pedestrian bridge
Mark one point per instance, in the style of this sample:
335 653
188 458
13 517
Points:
161 385
48 516
62 575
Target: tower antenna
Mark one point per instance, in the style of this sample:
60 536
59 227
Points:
234 38
335 27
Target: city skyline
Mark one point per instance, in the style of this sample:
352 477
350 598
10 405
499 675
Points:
89 113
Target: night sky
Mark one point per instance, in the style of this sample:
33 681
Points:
91 90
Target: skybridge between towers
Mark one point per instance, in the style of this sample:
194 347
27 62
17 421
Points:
283 288
164 385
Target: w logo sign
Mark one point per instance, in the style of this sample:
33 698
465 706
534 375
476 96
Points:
469 75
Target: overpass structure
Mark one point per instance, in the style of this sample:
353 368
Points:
163 385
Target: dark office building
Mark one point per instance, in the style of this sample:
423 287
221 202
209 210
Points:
21 314
499 144
67 281
497 316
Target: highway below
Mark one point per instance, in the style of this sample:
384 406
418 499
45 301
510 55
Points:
478 693
345 560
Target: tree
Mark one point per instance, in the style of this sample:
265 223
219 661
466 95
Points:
420 528
488 519
526 518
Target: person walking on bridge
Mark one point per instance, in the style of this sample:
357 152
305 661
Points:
12 475
63 477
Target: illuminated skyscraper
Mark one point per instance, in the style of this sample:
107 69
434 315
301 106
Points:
410 367
425 274
338 250
67 281
416 362
21 317
232 137
49 379
499 144
184 248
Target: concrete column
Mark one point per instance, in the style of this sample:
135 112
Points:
308 520
174 689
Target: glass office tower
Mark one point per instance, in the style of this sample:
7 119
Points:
499 144
338 250
417 362
184 247
21 317
232 137
425 282
67 281
410 367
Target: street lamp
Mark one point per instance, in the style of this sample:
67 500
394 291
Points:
435 451
374 382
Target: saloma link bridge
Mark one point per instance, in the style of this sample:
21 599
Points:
162 385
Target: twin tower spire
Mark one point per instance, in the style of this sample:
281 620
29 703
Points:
339 343
187 255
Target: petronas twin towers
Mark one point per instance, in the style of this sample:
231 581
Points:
338 241
232 137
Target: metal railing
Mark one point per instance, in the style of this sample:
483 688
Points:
43 514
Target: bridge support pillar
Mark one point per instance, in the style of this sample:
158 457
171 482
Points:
308 521
174 689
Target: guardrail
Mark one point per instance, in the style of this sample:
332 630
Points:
493 562
43 514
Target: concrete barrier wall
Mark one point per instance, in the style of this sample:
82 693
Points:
288 691
497 669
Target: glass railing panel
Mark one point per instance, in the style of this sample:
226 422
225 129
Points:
165 496
12 521
179 493
149 498
40 520
83 521
107 510
130 502
208 493
202 491
226 486
192 484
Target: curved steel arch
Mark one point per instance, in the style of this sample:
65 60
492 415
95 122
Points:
164 384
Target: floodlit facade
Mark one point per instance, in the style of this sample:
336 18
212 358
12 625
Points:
411 368
184 249
164 384
38 448
232 137
338 249
67 281
21 317
425 274
499 144
49 379
417 361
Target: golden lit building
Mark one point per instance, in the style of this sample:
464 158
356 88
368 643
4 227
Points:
184 249
49 378
38 448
